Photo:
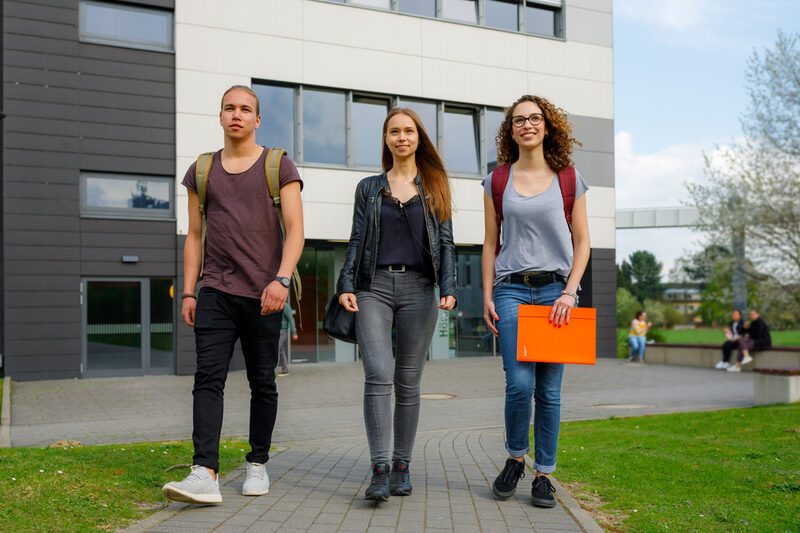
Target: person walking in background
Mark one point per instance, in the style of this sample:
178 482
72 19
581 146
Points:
637 335
732 333
756 337
246 265
541 261
287 327
401 244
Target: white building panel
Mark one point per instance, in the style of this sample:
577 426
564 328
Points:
600 202
281 18
462 82
473 45
577 97
334 187
200 93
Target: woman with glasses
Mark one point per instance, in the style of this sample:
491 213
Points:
401 244
541 261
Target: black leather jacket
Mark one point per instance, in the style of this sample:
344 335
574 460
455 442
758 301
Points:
365 235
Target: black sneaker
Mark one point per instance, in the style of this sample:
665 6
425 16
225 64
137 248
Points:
400 482
505 485
542 492
379 486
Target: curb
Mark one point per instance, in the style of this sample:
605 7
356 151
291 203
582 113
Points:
5 415
573 508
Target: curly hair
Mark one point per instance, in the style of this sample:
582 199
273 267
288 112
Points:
558 142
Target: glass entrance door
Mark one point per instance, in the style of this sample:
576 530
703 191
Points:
128 326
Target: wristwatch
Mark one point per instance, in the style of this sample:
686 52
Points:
283 281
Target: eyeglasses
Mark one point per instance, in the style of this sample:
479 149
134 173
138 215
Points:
535 119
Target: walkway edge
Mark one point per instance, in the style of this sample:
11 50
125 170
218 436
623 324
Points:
581 515
5 415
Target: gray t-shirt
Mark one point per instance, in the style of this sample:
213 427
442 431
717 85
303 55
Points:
535 235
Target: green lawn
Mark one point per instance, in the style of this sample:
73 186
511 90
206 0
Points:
717 336
724 471
92 487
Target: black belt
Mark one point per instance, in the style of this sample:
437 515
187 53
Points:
536 278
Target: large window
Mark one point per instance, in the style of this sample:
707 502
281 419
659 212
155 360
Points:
343 128
126 25
126 196
535 17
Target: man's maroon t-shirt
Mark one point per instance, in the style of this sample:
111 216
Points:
243 246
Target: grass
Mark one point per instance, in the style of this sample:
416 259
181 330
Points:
716 336
80 488
736 470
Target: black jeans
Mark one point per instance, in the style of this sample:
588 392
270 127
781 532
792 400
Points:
220 319
727 349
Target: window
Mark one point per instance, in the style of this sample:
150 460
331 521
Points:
126 196
324 127
277 117
461 140
503 14
463 10
492 126
426 112
125 25
426 8
540 20
368 115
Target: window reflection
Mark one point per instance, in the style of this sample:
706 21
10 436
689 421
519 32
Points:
539 20
323 127
492 121
277 117
427 113
464 10
461 140
368 116
126 26
126 195
425 8
502 14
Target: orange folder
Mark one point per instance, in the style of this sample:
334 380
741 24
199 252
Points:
540 341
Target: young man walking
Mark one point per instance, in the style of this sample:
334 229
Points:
246 269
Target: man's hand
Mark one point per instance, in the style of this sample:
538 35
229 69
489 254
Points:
273 298
187 311
295 337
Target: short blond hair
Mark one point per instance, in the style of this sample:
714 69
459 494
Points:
246 89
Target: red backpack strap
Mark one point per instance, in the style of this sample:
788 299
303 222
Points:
499 182
566 180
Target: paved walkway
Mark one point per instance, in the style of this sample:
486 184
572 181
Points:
319 477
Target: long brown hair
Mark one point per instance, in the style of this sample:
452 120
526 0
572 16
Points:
435 182
558 142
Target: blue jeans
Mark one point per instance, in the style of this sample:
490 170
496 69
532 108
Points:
637 344
525 380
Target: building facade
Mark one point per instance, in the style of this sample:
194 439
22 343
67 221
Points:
107 104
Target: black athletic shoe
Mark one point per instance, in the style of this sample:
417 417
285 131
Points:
542 492
400 482
379 486
505 485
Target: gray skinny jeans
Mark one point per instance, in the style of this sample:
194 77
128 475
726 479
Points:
406 299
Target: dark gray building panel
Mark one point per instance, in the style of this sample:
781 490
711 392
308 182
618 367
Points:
74 107
604 283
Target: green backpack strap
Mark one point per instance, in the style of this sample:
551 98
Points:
272 170
201 172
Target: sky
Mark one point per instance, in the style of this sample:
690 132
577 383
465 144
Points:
679 93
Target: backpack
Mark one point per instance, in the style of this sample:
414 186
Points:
566 180
272 165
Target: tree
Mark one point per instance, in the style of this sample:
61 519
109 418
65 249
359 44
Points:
623 279
644 272
627 306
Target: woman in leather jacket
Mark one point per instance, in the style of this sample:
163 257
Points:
401 245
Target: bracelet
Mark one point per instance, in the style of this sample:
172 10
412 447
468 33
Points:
188 295
573 294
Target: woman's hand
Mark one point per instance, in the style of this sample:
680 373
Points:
559 313
447 303
348 301
489 316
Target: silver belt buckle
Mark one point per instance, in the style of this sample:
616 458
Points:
401 269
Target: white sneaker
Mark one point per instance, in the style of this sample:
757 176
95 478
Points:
197 487
257 482
726 365
734 369
747 359
720 365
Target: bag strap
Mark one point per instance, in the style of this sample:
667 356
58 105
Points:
201 171
499 182
272 172
567 181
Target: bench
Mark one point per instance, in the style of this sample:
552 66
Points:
777 385
708 355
